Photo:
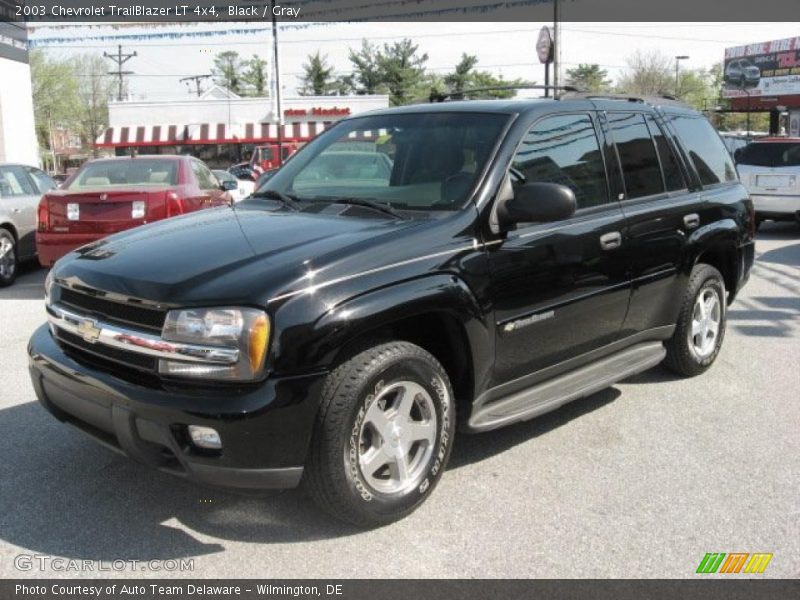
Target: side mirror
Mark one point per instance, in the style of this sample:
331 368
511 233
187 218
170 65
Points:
228 185
537 202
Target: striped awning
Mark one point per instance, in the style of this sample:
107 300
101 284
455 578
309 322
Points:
207 133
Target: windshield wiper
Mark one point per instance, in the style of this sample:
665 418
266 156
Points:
384 208
286 199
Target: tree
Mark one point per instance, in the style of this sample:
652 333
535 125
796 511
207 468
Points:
227 70
589 77
55 100
317 79
255 76
94 88
402 70
465 77
460 78
367 77
648 74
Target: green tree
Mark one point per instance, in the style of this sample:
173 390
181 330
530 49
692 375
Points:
228 70
367 76
402 70
94 88
466 77
317 78
648 74
589 77
55 100
255 76
461 78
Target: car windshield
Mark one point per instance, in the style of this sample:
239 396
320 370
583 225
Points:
771 154
122 173
422 161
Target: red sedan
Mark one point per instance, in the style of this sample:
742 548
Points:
110 195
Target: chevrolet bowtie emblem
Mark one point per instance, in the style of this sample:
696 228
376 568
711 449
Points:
89 330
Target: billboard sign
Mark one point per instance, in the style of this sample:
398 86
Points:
763 69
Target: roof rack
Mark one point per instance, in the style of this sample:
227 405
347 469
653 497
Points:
460 94
657 99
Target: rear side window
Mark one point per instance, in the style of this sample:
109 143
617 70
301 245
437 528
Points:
771 154
14 182
669 163
42 180
637 155
706 151
564 149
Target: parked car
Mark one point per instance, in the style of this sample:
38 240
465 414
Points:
734 142
265 177
239 188
742 73
770 168
21 187
109 195
243 171
517 256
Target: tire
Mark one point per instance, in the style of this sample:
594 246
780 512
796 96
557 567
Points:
363 422
689 354
9 262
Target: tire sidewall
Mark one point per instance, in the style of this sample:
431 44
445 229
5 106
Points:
5 281
713 281
434 380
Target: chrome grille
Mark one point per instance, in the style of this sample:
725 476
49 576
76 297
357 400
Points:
143 317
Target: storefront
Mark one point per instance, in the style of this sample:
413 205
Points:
17 133
222 128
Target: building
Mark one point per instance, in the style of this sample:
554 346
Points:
17 130
222 128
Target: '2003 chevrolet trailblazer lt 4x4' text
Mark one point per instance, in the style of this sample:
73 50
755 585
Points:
492 261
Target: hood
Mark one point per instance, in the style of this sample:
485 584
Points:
242 255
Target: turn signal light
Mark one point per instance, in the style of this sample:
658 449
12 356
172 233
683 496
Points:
174 205
259 334
43 216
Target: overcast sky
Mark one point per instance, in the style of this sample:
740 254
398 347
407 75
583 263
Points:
503 48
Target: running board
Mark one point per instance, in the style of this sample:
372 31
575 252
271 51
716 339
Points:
549 395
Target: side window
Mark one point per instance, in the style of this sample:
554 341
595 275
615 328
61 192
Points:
637 155
705 149
669 164
564 149
42 180
14 182
205 178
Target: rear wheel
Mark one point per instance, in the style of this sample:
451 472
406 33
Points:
383 434
701 324
8 258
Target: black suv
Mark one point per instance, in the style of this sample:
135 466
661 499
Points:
410 271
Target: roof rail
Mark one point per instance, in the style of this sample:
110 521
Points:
657 99
460 94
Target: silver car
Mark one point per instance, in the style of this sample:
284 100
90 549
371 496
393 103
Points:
20 189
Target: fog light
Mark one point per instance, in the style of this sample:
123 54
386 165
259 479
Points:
205 437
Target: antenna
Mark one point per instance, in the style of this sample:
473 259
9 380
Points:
120 59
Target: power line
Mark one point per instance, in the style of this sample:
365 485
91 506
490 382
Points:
196 79
120 59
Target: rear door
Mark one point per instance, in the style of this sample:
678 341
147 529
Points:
20 198
661 208
560 289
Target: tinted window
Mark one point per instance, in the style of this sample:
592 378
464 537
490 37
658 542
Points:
705 149
564 149
669 163
125 173
14 182
771 154
637 154
42 180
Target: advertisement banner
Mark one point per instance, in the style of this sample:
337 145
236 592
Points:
762 69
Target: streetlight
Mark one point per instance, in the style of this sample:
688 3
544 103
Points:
678 60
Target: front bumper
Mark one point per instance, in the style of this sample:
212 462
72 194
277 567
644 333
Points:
265 428
776 206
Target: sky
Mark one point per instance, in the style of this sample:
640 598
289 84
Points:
503 48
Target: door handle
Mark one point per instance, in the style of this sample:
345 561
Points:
691 220
610 241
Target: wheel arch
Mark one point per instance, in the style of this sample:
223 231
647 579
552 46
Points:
717 245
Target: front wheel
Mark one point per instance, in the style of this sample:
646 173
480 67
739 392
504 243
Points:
383 434
701 323
8 258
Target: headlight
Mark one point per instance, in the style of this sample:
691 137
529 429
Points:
244 329
48 286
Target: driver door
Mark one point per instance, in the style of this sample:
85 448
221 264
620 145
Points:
560 289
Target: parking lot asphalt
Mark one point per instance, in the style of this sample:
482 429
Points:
639 480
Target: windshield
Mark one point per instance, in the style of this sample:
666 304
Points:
771 154
123 173
428 161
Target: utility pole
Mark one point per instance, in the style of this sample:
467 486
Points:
120 59
197 79
678 60
277 82
556 48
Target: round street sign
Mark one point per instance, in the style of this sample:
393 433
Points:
544 45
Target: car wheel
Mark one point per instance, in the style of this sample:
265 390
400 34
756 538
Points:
701 323
383 434
8 258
